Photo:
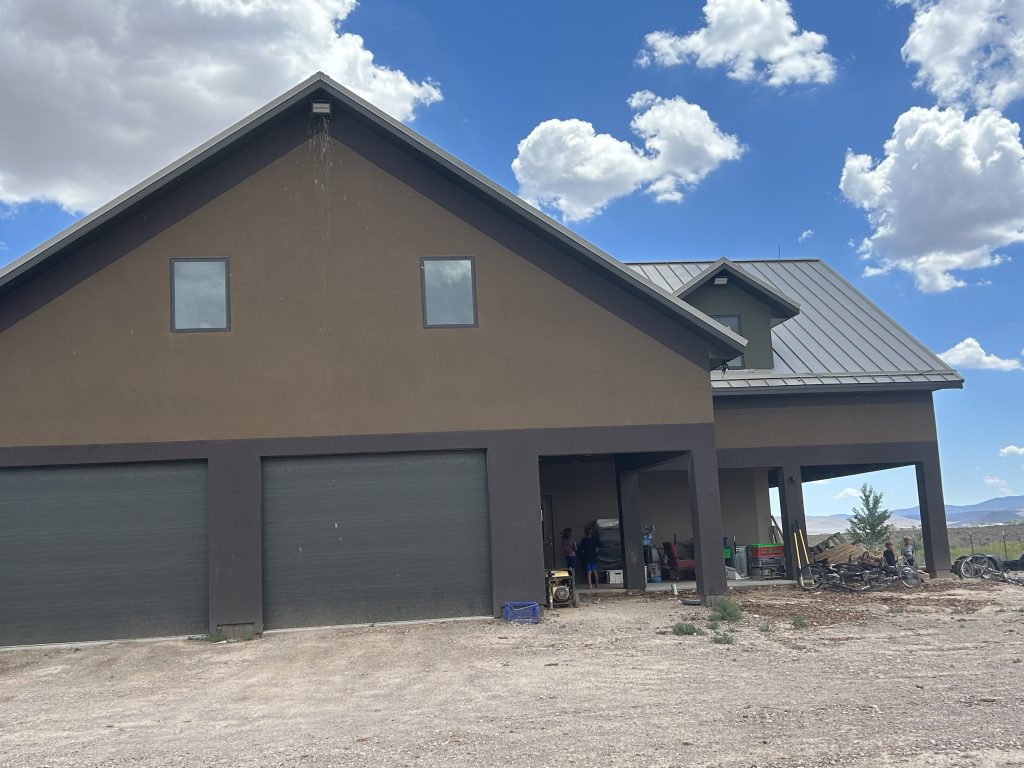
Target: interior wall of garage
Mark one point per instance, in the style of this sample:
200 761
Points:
665 504
580 493
746 515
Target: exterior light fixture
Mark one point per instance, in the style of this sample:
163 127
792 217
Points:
721 280
320 108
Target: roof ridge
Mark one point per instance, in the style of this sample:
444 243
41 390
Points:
736 261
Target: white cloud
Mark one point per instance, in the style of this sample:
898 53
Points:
968 52
805 235
998 484
947 194
566 165
848 493
968 354
1011 450
755 39
97 95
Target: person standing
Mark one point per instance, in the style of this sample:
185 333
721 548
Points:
889 555
908 551
569 550
588 551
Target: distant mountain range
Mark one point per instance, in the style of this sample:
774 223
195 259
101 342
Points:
1005 509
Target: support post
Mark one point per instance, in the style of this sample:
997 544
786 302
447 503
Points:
706 514
933 514
235 504
628 479
791 500
517 543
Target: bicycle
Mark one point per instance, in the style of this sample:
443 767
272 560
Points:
816 576
979 566
857 577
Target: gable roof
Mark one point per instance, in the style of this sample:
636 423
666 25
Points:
781 306
840 341
724 344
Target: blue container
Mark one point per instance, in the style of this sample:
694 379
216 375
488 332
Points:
522 613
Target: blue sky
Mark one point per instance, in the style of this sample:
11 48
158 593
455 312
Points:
479 78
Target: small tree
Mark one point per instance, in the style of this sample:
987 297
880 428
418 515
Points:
870 523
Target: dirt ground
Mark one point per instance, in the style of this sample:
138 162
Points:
933 677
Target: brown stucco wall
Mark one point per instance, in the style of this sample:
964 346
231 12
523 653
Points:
327 334
837 420
755 319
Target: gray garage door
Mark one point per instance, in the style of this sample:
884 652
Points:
101 552
352 539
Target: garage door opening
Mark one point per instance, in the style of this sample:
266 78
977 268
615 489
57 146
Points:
370 538
103 552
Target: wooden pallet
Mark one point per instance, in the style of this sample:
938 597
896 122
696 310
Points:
835 540
843 553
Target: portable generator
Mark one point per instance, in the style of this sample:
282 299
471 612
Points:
560 584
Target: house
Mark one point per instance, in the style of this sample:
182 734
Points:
320 372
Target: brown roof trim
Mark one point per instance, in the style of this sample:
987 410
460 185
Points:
723 343
782 304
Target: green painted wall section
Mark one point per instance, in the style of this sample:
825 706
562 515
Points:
755 320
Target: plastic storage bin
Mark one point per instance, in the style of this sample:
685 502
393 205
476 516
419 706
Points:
522 613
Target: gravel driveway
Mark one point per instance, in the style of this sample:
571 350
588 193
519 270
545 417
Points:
878 680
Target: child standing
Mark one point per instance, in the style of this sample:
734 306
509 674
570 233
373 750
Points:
907 550
588 551
569 550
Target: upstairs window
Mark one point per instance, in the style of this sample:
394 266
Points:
199 295
449 292
732 322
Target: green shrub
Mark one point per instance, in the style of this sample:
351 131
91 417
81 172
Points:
726 610
686 629
799 622
714 624
722 638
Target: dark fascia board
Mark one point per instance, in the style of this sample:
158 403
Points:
784 306
723 343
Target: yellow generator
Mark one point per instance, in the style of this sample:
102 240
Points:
560 585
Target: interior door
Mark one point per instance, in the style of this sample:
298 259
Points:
547 525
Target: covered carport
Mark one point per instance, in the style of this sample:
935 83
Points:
791 467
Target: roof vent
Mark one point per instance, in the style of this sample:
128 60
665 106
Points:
320 108
722 280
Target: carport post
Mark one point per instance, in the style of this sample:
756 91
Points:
933 514
791 500
706 514
632 535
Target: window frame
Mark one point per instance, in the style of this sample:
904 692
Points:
227 293
741 357
423 291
